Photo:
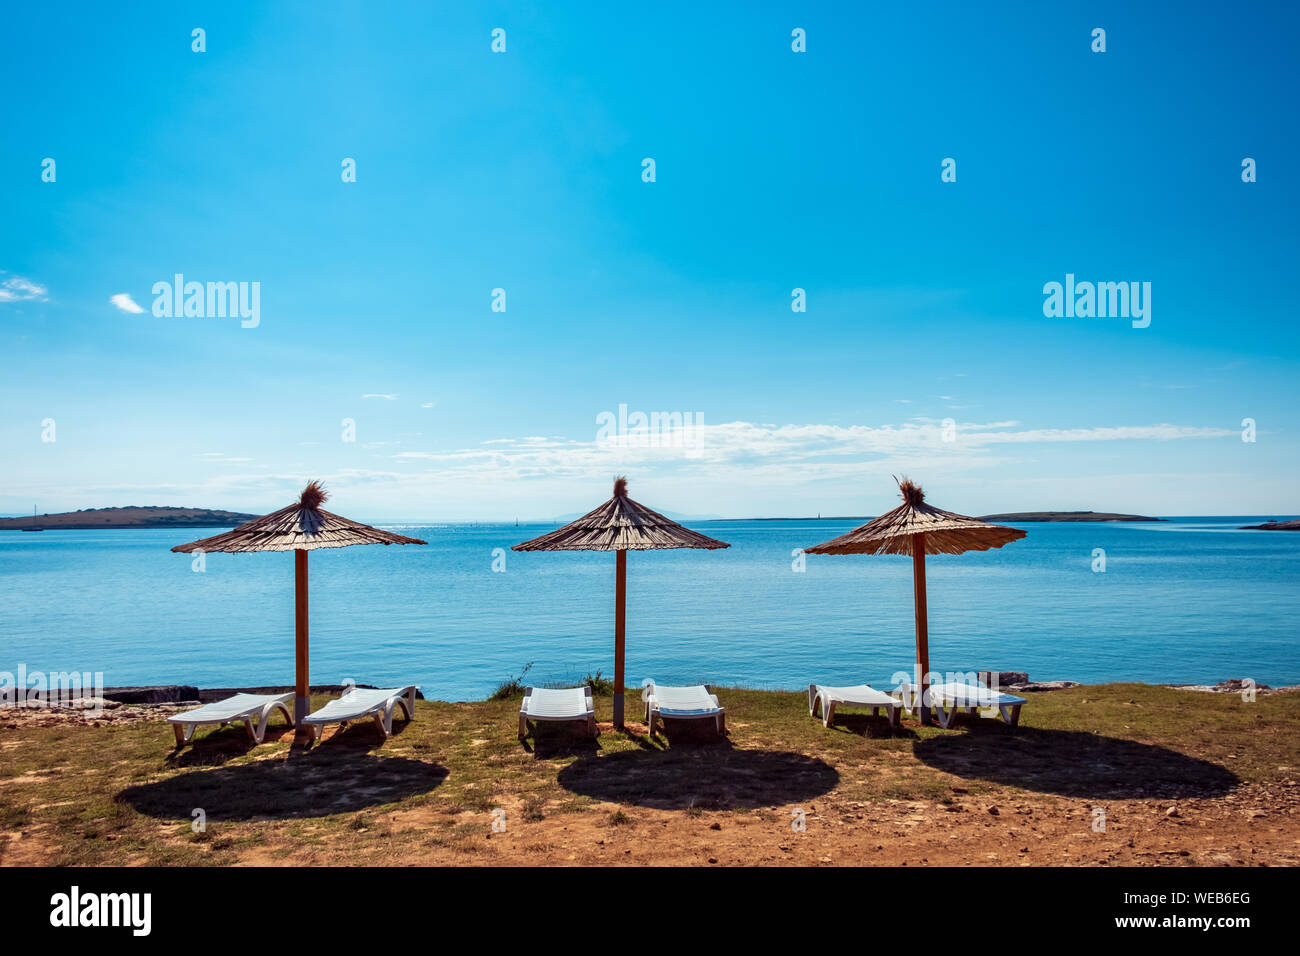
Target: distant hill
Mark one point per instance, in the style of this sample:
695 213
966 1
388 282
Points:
129 517
1273 526
1066 516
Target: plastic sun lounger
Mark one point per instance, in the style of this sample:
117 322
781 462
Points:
242 708
860 695
564 704
682 703
948 700
378 704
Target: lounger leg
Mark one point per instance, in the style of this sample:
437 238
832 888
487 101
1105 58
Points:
260 733
1013 718
181 736
650 720
252 733
407 714
379 725
945 716
523 726
896 717
722 723
591 724
828 713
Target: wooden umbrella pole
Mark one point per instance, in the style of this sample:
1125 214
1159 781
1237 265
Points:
922 625
302 689
620 631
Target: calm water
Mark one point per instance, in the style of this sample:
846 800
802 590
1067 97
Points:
1190 600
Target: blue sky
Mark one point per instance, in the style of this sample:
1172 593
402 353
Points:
775 170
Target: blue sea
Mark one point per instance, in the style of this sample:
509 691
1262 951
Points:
1188 600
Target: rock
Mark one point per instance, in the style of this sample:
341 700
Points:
92 703
1234 686
164 694
1003 678
1172 812
993 811
1036 686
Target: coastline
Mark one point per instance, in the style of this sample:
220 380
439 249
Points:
179 696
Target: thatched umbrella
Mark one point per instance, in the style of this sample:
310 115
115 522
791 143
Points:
918 529
299 528
620 525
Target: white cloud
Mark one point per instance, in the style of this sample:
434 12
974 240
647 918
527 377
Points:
741 468
125 303
18 289
784 453
386 397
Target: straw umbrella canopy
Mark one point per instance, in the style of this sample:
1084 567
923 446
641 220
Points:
620 525
301 527
918 529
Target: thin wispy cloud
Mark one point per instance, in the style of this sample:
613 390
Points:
18 289
786 452
384 395
124 302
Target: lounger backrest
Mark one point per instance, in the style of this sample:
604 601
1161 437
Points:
697 697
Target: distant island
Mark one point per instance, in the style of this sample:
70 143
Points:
1273 526
129 517
1066 516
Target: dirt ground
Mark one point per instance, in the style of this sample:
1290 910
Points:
1105 775
1253 826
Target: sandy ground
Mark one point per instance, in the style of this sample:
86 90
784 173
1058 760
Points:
1252 824
1247 829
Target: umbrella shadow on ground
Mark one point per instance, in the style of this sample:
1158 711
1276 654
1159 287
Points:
715 777
1072 763
312 784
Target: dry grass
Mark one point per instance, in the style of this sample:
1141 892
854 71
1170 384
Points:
79 794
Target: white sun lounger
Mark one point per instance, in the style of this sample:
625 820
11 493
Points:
567 703
948 700
860 695
252 710
378 704
682 703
